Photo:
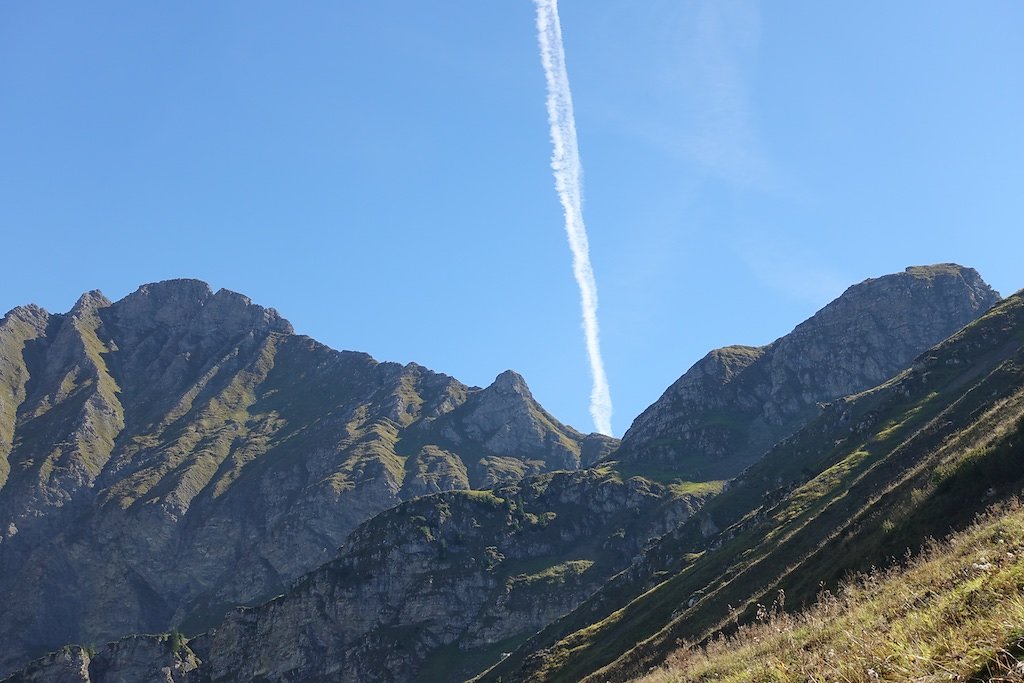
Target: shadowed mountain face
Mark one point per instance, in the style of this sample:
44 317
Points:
181 451
436 588
730 407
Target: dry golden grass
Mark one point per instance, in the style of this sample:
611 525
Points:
954 613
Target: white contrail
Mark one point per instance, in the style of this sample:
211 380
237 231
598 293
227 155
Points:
565 162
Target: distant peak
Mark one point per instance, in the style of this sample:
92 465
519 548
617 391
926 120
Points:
90 301
180 287
729 361
938 281
511 381
32 315
28 312
940 269
176 302
929 273
969 276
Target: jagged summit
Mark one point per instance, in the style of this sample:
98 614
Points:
200 290
90 301
737 401
180 303
511 381
26 313
178 451
515 435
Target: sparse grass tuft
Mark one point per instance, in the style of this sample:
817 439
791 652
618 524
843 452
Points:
487 497
700 489
556 574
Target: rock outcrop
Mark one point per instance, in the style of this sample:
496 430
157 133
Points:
134 659
436 588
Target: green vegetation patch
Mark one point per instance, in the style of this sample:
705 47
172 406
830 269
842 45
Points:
822 486
698 489
909 419
484 497
555 574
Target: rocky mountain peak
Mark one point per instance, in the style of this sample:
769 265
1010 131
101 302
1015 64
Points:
511 434
971 277
505 416
942 294
510 382
176 291
89 302
737 401
723 364
29 313
184 303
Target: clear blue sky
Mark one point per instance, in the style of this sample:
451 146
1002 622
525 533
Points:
378 171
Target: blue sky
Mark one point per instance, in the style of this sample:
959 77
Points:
379 171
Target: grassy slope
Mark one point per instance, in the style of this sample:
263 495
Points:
956 612
873 476
17 328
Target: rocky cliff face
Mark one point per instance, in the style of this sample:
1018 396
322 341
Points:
731 406
154 659
436 588
180 451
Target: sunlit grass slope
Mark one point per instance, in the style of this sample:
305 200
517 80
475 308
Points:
955 612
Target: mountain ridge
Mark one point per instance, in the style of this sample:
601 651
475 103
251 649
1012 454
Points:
737 401
179 451
560 541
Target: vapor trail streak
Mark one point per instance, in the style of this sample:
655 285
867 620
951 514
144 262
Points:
568 172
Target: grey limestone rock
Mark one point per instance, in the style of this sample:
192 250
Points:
733 404
181 451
